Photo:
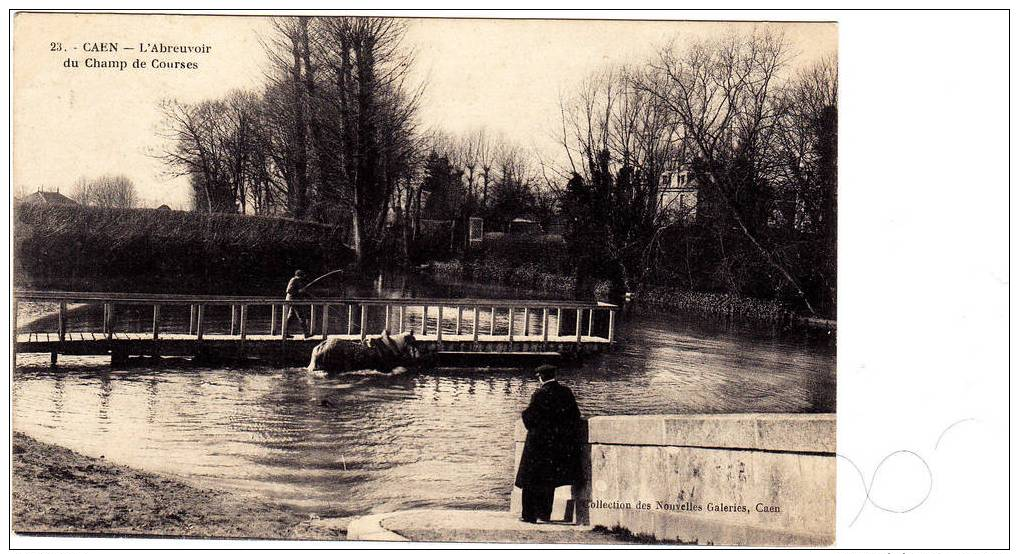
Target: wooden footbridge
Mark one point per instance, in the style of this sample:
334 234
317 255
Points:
248 327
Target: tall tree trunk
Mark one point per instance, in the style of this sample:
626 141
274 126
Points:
297 202
356 239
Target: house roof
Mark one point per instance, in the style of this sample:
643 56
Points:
47 197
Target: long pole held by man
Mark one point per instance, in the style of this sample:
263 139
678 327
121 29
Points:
297 289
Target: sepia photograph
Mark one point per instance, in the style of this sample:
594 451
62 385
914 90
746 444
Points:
326 277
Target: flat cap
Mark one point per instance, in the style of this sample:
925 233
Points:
546 371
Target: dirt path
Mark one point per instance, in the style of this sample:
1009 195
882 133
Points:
56 490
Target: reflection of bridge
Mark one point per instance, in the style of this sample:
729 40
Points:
138 324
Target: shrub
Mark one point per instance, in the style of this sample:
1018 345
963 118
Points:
61 246
719 304
547 251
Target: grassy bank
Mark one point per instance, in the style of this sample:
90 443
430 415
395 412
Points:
60 247
527 275
714 304
56 490
531 276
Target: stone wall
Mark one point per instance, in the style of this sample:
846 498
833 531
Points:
739 479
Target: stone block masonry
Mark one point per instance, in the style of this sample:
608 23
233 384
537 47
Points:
734 479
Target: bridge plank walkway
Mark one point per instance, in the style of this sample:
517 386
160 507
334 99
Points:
433 327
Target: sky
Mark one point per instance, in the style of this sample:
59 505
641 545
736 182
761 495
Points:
504 75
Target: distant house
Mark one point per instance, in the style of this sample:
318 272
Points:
47 197
677 193
524 226
163 208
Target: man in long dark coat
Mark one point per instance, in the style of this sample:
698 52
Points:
551 456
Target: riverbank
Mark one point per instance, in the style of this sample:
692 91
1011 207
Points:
530 276
56 490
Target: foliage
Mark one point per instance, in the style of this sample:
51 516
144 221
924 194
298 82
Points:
659 297
330 137
748 125
531 276
107 191
548 251
446 194
760 143
620 139
159 250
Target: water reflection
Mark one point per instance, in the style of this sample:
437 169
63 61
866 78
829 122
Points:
351 443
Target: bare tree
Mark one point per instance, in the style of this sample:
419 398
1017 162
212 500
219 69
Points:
725 93
370 105
807 148
808 171
197 148
107 191
287 110
620 139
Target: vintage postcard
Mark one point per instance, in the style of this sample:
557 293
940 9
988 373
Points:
328 277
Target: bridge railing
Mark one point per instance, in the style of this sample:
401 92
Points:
327 315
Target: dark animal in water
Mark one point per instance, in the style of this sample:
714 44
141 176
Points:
383 353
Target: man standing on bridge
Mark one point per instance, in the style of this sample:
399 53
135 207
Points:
551 456
295 291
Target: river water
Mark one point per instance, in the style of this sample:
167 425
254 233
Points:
366 442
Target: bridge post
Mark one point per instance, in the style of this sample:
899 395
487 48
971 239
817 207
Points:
200 331
109 321
475 328
590 322
527 321
272 321
510 330
325 321
399 326
62 322
612 325
244 325
580 317
243 328
155 322
233 319
544 326
191 321
350 319
459 318
388 317
491 327
311 321
438 328
364 320
285 320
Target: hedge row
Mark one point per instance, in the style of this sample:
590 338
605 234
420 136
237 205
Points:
83 248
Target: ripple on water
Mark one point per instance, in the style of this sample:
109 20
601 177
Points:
349 444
